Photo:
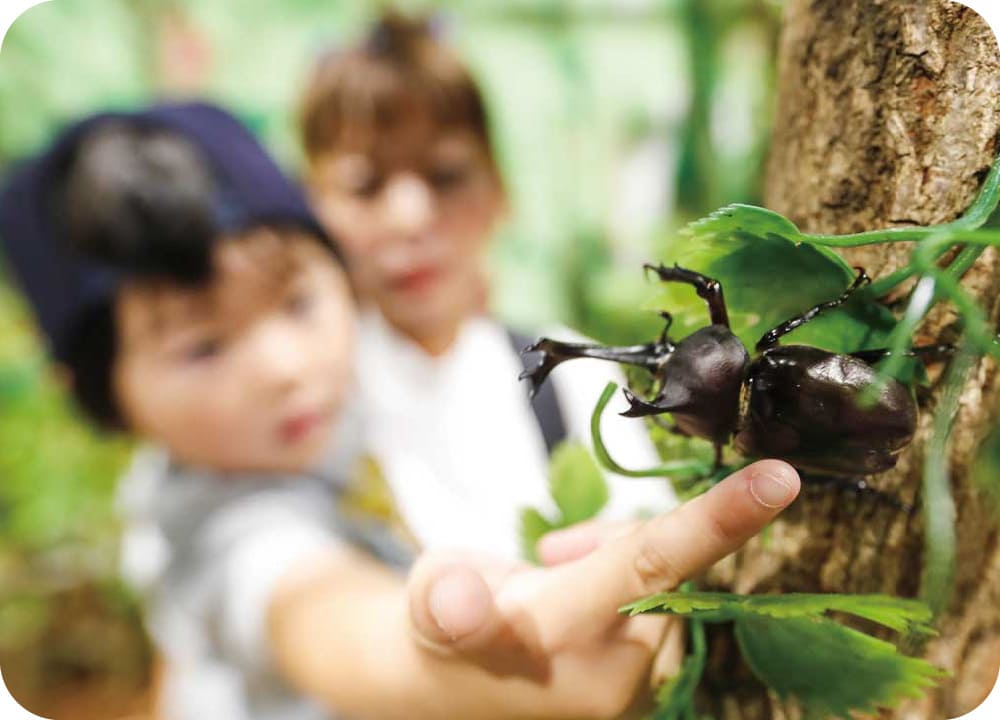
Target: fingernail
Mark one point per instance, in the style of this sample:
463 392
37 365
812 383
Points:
439 602
771 489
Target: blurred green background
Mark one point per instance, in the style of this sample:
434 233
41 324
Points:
616 121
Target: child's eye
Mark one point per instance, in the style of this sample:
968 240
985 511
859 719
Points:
447 178
367 187
203 350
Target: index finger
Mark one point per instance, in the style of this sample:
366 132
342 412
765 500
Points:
669 549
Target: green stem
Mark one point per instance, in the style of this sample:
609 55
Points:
974 217
921 301
937 583
680 469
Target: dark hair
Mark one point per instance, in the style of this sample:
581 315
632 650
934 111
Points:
138 200
400 66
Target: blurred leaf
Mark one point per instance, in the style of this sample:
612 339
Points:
578 488
576 483
831 669
533 526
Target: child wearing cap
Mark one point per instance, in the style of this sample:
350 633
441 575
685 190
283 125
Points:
182 283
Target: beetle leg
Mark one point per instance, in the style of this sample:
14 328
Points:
649 356
665 340
857 486
717 463
771 337
930 352
708 289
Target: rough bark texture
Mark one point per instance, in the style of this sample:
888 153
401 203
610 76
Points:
887 114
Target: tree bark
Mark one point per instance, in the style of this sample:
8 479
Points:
887 115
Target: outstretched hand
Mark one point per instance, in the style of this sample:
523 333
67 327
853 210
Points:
555 632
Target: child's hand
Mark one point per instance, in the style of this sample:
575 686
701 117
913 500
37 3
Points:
554 634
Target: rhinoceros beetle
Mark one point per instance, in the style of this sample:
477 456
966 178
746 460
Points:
794 402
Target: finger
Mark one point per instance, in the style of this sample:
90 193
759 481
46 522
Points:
669 549
572 543
452 607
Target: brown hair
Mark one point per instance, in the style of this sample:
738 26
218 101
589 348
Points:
398 69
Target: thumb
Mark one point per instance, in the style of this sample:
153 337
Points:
451 606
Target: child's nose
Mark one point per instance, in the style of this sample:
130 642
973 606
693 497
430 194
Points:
409 203
280 357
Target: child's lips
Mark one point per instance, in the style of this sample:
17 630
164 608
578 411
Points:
299 426
416 280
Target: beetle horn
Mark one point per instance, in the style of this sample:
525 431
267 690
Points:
640 408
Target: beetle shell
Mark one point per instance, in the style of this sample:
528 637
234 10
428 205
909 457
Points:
701 383
803 408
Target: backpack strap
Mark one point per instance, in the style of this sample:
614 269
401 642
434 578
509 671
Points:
545 405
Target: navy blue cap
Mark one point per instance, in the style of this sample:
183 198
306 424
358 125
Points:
63 286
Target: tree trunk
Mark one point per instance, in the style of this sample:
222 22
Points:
887 115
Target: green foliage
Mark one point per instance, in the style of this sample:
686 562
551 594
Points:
578 488
798 652
832 670
533 526
576 483
57 475
769 275
895 613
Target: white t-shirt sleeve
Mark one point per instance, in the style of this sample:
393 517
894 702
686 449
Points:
247 548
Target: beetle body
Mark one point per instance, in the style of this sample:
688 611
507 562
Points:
801 405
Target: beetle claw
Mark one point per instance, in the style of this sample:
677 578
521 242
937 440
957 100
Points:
540 372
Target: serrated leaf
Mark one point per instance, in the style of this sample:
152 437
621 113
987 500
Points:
533 526
741 219
769 276
576 483
895 613
831 669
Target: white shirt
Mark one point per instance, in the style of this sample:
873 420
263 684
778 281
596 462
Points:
459 444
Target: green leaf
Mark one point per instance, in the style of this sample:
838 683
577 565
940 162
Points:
746 220
533 526
898 614
831 669
576 483
578 488
769 275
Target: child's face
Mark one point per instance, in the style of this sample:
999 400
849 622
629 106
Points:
248 372
413 209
